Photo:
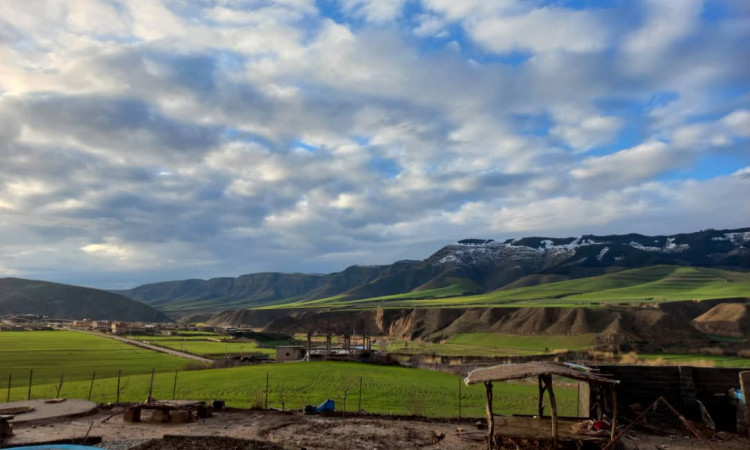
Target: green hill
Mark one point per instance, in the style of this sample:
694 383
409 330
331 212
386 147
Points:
645 285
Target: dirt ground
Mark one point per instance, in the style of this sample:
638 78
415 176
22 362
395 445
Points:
280 430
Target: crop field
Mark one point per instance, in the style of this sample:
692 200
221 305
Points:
645 285
77 355
385 389
494 344
204 347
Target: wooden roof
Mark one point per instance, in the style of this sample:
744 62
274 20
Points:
531 369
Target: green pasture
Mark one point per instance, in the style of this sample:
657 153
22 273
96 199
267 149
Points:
204 347
385 389
77 355
644 285
494 344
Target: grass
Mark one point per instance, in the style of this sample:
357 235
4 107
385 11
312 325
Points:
644 285
385 389
494 344
77 355
204 347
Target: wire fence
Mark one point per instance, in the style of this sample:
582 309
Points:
274 390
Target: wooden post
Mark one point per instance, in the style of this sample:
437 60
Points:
266 404
553 405
151 386
614 412
31 377
359 403
309 344
91 387
59 386
541 398
119 373
490 417
10 377
745 386
174 385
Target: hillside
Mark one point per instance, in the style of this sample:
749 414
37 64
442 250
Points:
663 324
62 301
473 266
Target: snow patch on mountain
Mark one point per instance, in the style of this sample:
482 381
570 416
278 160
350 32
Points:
602 253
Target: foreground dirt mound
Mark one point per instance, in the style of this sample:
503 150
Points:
327 434
726 319
205 442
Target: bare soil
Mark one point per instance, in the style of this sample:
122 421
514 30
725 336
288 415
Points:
270 430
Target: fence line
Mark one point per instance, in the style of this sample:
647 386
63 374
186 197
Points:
447 401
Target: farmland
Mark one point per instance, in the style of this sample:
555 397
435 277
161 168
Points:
77 355
202 346
494 344
385 389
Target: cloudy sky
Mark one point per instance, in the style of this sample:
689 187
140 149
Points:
147 140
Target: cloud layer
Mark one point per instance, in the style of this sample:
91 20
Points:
145 140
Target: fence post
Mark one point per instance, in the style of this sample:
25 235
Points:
359 403
119 373
59 386
10 377
91 387
174 386
266 403
31 377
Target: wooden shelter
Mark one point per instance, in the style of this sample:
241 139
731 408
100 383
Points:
544 371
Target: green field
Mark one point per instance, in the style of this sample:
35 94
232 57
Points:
645 285
385 389
199 345
77 355
494 344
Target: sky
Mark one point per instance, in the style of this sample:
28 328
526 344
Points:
152 140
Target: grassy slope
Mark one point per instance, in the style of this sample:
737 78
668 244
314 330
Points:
650 284
386 389
493 344
76 354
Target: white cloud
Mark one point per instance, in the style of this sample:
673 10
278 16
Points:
625 166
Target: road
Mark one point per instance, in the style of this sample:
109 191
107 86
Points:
156 348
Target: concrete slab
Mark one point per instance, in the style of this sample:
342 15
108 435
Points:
43 411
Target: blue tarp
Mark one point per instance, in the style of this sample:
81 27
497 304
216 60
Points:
327 406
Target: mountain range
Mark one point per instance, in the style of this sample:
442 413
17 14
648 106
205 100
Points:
469 267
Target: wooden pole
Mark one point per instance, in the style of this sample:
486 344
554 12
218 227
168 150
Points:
553 406
10 377
31 377
490 417
359 403
59 386
614 412
266 405
174 385
745 387
541 397
91 387
151 386
119 373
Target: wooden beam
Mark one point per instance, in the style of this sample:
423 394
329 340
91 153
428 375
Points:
553 405
490 417
614 412
541 397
